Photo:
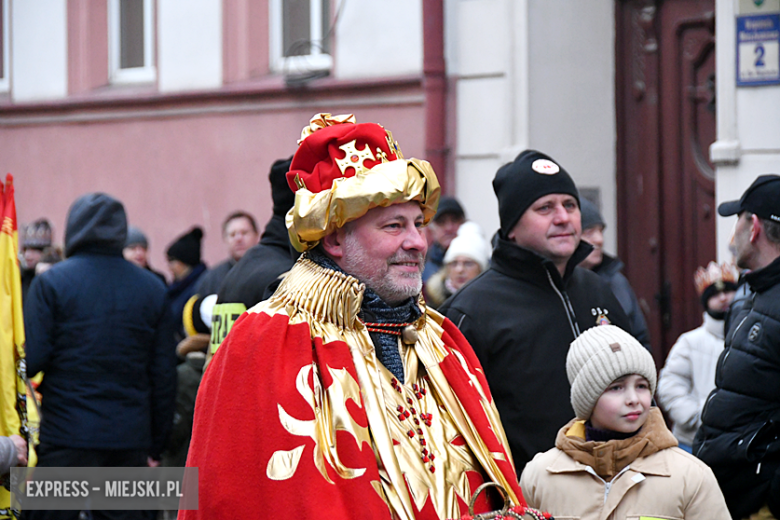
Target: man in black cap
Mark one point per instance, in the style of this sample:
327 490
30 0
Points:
522 313
442 229
740 428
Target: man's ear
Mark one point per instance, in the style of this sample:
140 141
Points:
756 228
333 244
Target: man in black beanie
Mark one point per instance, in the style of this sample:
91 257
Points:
522 313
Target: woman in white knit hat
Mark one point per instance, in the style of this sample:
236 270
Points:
467 256
617 458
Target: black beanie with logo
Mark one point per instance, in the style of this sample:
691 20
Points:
520 183
186 248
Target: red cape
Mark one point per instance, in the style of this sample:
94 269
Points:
251 383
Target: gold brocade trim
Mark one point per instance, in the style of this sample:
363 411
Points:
324 120
329 303
316 215
317 295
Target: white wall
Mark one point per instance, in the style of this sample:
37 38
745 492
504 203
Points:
748 141
572 92
39 50
533 74
189 44
486 53
378 38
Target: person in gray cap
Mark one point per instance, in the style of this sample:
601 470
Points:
522 313
740 428
136 250
609 268
34 238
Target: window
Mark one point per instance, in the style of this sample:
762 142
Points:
131 41
300 36
4 46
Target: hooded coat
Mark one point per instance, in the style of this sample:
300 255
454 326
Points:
100 329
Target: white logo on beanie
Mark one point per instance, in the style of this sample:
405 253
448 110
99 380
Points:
545 166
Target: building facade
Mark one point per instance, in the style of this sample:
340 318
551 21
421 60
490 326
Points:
179 107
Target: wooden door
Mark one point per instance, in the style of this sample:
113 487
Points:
665 85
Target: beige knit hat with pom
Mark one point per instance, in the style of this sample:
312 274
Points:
599 356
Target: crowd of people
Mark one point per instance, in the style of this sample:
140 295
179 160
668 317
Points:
372 353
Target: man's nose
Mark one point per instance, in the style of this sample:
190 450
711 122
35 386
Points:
561 216
415 239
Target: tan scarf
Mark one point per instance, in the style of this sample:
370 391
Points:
610 457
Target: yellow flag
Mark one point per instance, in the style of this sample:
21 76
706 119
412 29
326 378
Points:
13 410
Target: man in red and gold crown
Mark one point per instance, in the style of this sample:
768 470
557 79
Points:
343 395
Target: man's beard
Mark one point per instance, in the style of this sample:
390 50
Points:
356 263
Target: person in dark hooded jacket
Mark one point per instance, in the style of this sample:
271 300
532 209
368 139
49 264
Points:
100 329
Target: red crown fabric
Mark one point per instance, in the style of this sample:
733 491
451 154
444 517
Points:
341 150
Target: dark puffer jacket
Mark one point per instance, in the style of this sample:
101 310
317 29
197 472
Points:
520 317
738 438
100 329
610 271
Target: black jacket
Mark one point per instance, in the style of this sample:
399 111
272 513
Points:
100 329
520 317
610 271
738 438
212 279
179 293
254 278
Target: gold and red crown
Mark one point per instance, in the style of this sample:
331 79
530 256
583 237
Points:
715 274
333 147
343 169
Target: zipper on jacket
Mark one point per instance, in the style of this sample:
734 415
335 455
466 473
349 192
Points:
575 328
607 485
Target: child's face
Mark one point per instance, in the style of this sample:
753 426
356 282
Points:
624 405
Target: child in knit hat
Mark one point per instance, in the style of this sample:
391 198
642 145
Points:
617 458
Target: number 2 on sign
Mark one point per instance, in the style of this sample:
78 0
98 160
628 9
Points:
759 51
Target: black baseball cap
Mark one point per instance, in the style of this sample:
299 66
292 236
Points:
761 198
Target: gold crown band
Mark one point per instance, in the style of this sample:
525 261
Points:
316 215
